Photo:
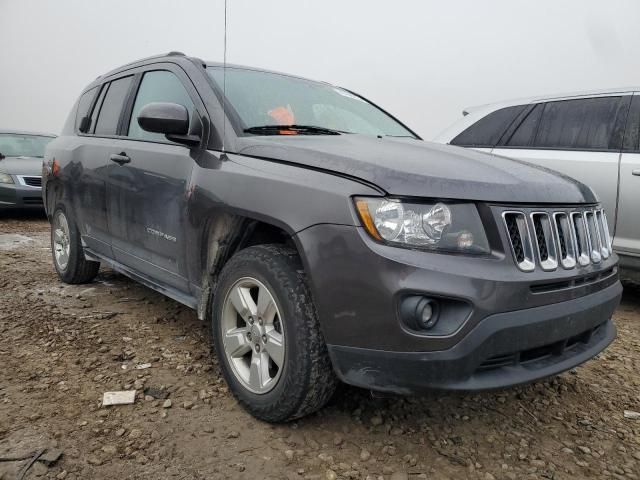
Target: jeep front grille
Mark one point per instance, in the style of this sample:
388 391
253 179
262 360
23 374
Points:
549 239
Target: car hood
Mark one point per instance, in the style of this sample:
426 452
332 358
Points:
21 165
409 167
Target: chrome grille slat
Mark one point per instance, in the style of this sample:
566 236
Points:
593 237
545 241
567 238
582 241
521 246
603 229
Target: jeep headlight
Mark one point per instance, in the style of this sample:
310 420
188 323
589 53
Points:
5 178
443 226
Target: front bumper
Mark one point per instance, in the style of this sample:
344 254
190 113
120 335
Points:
519 326
505 349
20 196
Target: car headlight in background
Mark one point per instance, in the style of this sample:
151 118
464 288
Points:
5 178
453 227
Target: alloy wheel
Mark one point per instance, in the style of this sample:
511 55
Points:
61 240
253 335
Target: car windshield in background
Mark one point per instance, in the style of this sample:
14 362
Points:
18 145
264 101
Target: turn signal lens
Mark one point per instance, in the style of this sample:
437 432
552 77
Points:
365 216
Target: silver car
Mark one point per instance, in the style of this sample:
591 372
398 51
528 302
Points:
21 156
590 136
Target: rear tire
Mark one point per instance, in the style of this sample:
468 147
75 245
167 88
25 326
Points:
276 322
66 248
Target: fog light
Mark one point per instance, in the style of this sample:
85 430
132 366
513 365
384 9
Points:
426 313
420 313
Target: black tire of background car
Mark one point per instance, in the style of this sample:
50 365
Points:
307 381
79 269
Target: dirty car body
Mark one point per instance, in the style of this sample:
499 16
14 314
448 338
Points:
507 303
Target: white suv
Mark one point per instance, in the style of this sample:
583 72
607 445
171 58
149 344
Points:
592 137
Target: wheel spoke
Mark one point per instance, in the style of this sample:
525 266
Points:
275 347
241 300
259 370
236 343
266 306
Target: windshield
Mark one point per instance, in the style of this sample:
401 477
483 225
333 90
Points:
18 145
263 99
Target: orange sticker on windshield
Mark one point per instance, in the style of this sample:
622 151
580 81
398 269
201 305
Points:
282 115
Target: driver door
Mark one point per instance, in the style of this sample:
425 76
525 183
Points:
148 197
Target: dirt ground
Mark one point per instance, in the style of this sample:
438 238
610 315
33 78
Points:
62 346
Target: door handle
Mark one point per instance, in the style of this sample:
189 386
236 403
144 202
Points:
120 158
636 172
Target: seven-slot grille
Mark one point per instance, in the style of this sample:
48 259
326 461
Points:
557 238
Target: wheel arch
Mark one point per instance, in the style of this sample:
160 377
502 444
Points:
54 194
228 234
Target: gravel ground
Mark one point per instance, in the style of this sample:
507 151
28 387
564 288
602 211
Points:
63 346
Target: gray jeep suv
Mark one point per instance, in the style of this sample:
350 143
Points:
322 239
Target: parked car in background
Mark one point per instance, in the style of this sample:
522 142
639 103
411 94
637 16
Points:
322 239
21 156
593 137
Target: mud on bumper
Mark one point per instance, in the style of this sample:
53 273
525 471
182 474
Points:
503 350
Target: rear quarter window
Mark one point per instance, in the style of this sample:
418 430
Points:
84 104
487 131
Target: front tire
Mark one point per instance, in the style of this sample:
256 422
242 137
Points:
67 251
267 336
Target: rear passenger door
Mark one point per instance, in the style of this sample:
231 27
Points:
580 138
149 193
627 236
91 165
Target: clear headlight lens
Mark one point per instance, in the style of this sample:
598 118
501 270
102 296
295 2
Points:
5 178
454 227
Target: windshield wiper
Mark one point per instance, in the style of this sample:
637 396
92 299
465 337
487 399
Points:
290 130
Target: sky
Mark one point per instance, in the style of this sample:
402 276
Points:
422 60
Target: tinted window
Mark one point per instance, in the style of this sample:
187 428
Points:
109 115
83 105
487 131
632 132
578 124
526 131
158 86
96 108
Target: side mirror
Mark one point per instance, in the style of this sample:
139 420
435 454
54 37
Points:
167 118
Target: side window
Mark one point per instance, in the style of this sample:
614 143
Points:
632 132
157 86
487 131
526 131
107 123
96 108
84 104
578 124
